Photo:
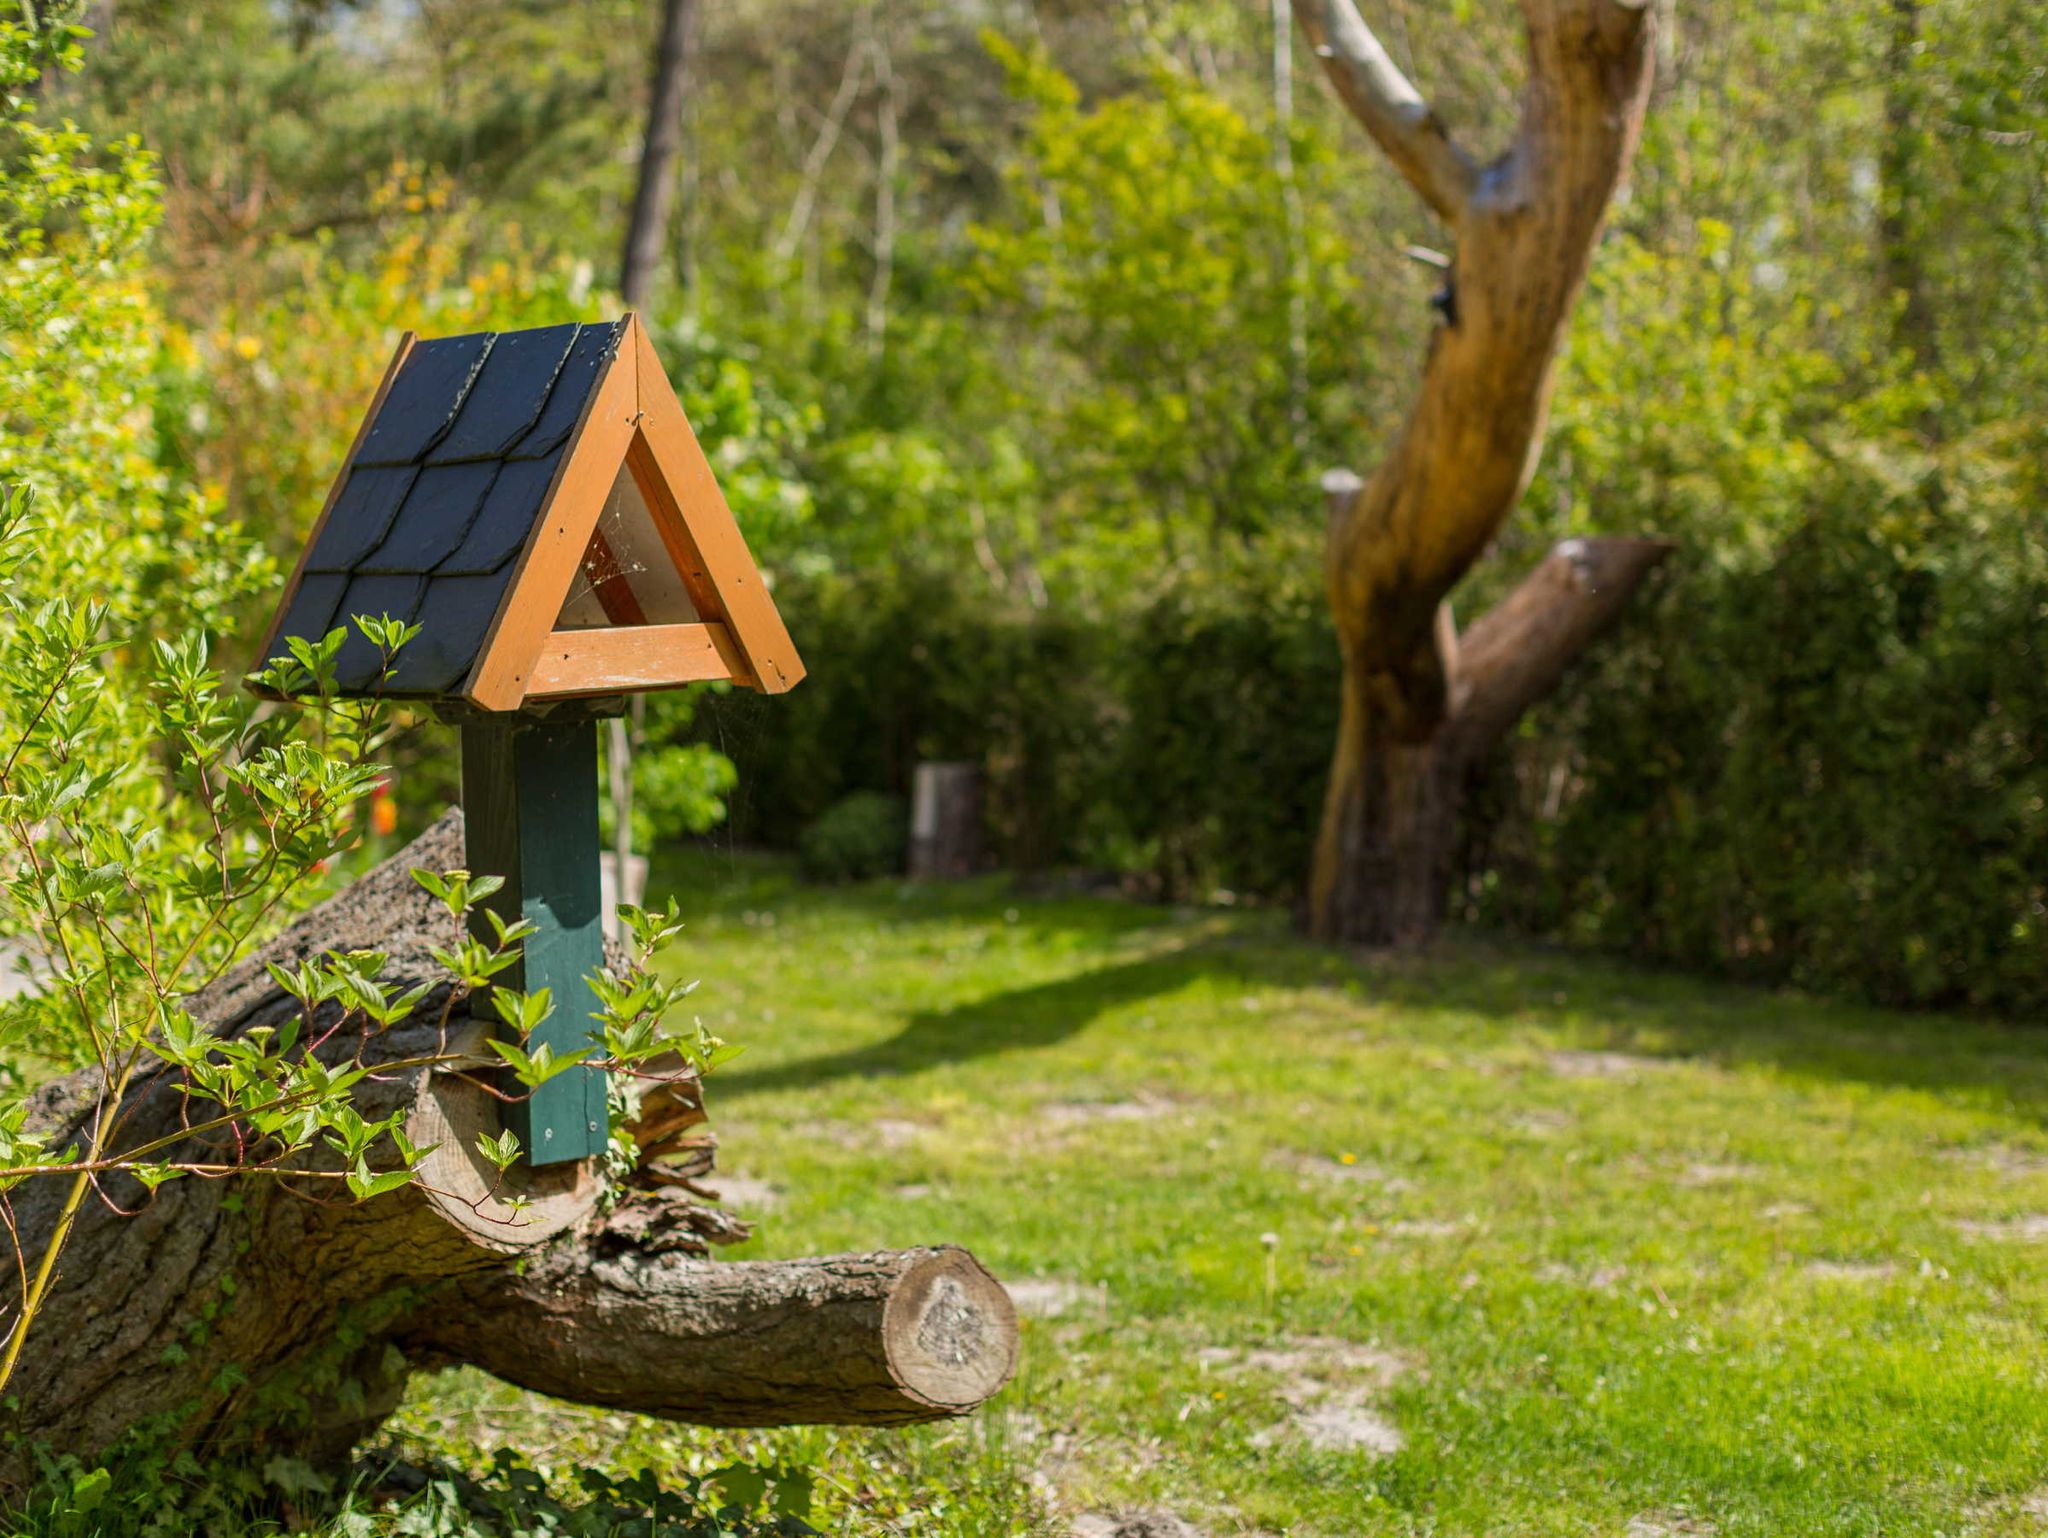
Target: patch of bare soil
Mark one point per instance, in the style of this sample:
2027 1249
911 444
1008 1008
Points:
744 1194
1422 1228
1337 1426
2027 1227
1598 1279
1668 1524
1540 1121
1049 1297
1328 1386
1144 1108
1851 1270
895 1132
2002 1158
1306 1361
1715 1174
1344 1169
1604 1065
1133 1524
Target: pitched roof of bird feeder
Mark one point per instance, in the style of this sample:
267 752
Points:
536 503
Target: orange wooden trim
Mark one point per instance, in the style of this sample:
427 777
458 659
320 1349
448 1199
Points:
615 594
676 540
631 657
348 463
683 482
549 560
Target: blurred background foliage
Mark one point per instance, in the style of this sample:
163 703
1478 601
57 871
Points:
1020 331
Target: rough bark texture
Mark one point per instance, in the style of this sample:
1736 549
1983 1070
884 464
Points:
654 193
900 1336
1524 228
256 1315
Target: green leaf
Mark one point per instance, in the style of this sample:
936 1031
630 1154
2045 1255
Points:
502 1151
793 1492
364 1184
89 1490
541 1065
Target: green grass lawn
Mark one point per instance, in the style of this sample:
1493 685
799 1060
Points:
1557 1246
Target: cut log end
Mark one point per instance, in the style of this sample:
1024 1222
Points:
883 1339
505 1211
949 1331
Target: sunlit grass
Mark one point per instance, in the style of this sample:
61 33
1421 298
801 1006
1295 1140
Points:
1595 1246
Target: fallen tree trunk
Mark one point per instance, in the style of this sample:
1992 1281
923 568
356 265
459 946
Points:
259 1315
880 1340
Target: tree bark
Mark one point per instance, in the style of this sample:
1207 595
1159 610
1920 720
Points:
646 229
881 1340
654 194
254 1316
1399 542
1390 822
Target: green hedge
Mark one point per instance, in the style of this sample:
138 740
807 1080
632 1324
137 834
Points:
1187 745
1829 770
1824 767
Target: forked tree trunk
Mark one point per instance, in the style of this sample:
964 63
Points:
257 1317
1419 707
1390 822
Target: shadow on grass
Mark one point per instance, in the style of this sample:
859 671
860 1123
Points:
1479 992
1018 1020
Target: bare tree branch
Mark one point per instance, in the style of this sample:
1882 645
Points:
1392 110
800 211
888 164
1516 652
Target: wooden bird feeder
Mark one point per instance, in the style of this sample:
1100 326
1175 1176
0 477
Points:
536 503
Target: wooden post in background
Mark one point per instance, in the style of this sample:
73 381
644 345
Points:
529 801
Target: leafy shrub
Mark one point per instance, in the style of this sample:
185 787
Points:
858 839
1186 741
1828 769
155 1496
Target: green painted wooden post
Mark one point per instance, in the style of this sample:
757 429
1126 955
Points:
529 804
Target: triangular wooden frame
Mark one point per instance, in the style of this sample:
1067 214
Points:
633 419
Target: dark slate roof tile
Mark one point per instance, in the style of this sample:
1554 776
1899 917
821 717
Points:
454 616
580 371
508 516
360 663
508 396
362 515
312 612
447 487
437 514
425 398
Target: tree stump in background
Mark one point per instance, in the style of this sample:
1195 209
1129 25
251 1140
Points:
945 821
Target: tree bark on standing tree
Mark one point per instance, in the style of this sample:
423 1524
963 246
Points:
1422 705
654 194
646 232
